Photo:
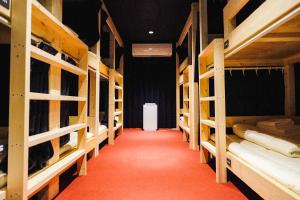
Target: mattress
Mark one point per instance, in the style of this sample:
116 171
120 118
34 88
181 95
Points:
283 169
73 142
102 128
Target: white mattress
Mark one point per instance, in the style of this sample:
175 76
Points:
285 170
102 128
73 141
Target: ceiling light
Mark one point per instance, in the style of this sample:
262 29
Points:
151 32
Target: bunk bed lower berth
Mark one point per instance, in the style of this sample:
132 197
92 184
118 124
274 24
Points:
267 161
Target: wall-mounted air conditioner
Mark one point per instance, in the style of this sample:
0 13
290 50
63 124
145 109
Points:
151 50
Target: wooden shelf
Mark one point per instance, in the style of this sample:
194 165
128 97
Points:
39 180
43 137
118 100
207 98
119 125
6 23
44 21
102 135
207 74
208 122
210 147
117 113
186 100
52 97
55 61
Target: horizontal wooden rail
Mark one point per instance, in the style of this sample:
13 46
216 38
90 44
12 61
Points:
53 97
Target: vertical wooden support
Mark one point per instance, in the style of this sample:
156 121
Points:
203 24
120 106
177 93
220 113
193 99
19 101
289 82
111 109
82 112
204 111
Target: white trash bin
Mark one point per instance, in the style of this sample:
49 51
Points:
150 117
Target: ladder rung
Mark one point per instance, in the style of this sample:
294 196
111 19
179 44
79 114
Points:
186 114
207 74
210 147
186 100
208 122
207 98
186 85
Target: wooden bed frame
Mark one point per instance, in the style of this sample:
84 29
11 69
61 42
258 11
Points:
185 72
30 17
268 37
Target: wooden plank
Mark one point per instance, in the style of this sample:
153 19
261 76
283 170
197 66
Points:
39 180
207 99
104 70
211 148
232 8
208 122
262 184
203 24
111 108
263 20
55 61
220 114
289 83
183 65
19 101
49 135
55 97
207 74
185 30
230 121
112 26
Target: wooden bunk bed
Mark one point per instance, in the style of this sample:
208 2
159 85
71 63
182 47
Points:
29 18
187 118
108 69
268 37
115 113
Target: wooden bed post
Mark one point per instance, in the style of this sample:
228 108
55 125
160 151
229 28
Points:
203 24
289 83
19 101
193 99
177 93
220 113
111 107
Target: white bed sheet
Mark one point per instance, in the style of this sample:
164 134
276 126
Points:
285 170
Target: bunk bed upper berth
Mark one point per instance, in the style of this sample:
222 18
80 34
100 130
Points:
269 36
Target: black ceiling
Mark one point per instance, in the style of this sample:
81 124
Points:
134 18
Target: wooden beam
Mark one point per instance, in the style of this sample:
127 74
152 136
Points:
289 83
203 26
19 101
232 8
221 170
112 26
177 92
185 30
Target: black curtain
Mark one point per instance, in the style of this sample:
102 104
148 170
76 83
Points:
104 101
297 88
149 80
252 93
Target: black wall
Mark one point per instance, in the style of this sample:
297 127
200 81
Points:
150 80
4 84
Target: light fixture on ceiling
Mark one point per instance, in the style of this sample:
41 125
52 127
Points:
151 32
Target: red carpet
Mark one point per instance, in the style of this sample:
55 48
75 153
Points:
144 165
